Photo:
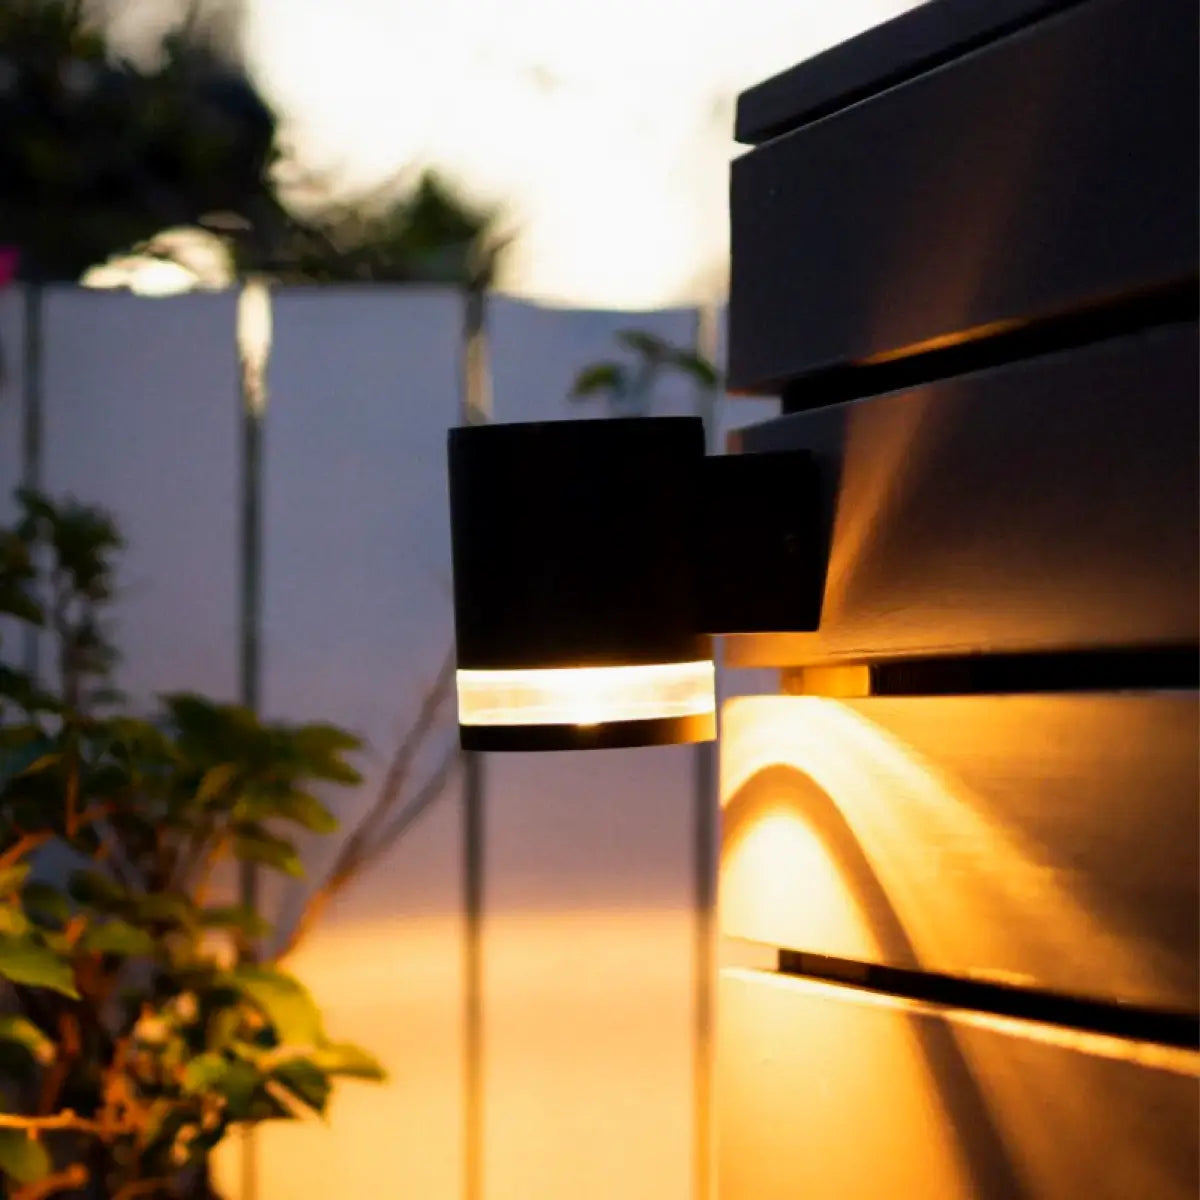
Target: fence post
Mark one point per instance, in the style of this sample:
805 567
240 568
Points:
253 336
475 409
704 850
32 386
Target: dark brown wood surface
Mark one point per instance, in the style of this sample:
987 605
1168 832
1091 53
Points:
1051 171
919 40
827 1092
1050 504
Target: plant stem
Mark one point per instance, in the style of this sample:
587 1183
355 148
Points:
67 1119
22 846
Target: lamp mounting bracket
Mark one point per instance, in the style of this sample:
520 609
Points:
760 567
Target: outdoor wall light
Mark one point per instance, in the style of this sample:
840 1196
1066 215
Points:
593 562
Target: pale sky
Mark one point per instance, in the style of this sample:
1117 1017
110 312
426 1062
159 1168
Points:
602 125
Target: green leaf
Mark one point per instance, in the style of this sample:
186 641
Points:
603 377
204 1072
700 369
317 751
167 908
345 1059
234 1079
224 1024
284 1001
223 732
42 763
216 781
20 1031
22 1157
22 689
239 1084
334 770
302 808
319 740
236 916
117 937
13 920
307 811
11 878
22 756
97 890
22 960
45 904
306 1081
16 602
257 845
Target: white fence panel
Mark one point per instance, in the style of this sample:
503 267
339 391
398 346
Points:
363 386
12 637
140 415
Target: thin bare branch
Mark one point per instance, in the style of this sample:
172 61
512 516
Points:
67 1119
424 799
375 833
24 845
399 769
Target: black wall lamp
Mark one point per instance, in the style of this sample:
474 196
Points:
593 563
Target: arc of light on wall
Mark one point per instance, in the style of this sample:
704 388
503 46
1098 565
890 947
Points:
901 810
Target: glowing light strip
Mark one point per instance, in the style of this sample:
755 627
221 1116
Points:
586 695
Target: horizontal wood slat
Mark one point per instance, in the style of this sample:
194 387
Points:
1046 841
1039 175
827 1091
919 40
1049 504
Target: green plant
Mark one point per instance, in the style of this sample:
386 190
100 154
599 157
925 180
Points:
138 1028
628 386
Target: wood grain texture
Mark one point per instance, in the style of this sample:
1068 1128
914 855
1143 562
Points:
1048 841
1037 176
827 1091
1050 504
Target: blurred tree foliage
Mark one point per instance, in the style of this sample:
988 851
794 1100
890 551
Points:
425 235
98 154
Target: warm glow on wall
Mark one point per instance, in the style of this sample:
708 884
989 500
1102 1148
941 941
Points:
587 695
837 834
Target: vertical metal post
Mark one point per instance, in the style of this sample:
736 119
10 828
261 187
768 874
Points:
704 846
476 409
248 688
254 346
31 417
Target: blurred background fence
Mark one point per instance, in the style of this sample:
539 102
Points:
588 990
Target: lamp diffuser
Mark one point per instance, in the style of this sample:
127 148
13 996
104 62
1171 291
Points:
575 584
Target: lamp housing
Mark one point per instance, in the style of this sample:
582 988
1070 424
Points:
589 577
